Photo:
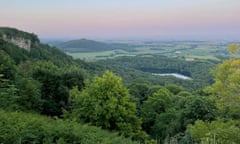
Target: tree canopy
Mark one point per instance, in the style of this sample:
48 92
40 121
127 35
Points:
105 103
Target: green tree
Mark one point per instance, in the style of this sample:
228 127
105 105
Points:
197 108
166 125
139 93
7 66
8 90
105 103
8 95
73 76
175 89
54 94
29 94
226 87
225 91
155 105
216 132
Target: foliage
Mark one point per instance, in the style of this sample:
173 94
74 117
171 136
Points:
225 91
18 127
133 68
197 108
45 52
8 96
42 76
233 49
73 76
39 82
29 91
47 81
49 77
55 84
174 89
216 132
166 125
226 88
105 103
139 93
13 51
166 116
37 52
153 107
8 90
7 66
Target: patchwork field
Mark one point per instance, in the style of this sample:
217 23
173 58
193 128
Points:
188 50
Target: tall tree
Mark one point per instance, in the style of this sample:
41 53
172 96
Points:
155 105
226 88
8 90
53 92
226 91
29 94
105 103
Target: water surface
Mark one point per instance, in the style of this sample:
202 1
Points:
173 74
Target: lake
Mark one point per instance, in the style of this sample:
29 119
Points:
173 74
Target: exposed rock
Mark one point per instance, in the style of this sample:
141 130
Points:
19 41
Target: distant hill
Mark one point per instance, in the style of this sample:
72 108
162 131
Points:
85 45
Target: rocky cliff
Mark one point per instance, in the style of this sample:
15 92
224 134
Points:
19 41
20 38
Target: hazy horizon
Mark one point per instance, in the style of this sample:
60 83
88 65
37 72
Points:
134 20
156 38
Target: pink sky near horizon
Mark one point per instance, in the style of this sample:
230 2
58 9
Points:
59 19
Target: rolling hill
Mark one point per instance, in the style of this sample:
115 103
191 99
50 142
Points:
85 45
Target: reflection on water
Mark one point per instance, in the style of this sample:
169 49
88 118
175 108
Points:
173 74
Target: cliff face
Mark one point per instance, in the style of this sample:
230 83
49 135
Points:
19 38
19 41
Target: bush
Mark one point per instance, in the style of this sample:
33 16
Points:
18 127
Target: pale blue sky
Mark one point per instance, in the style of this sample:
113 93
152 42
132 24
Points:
106 19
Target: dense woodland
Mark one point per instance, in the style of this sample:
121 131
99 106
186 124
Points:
140 69
48 97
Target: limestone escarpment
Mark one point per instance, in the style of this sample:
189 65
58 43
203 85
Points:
19 41
19 38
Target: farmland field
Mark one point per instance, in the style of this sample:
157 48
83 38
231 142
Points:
189 50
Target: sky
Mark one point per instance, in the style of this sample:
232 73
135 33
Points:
124 19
